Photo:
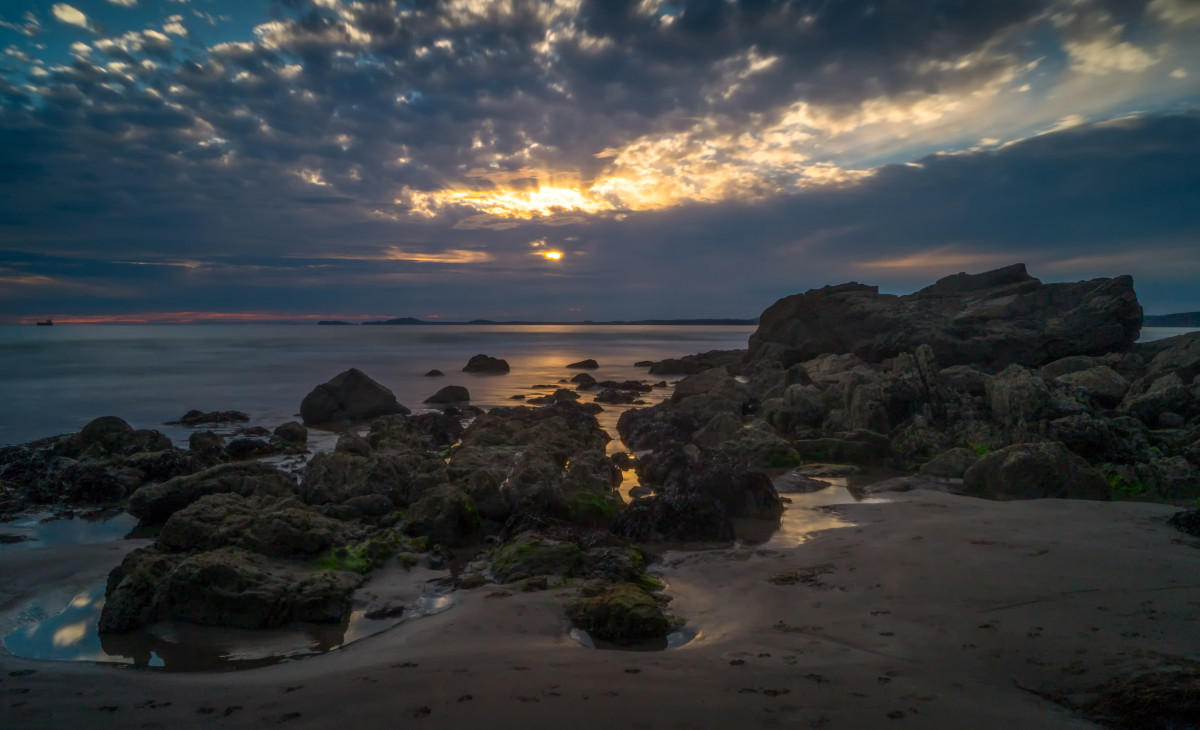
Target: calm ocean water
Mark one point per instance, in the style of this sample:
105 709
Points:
56 379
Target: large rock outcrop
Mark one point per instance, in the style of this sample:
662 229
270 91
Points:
1003 316
349 396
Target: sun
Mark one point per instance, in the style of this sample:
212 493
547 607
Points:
552 255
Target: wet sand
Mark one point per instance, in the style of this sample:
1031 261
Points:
932 611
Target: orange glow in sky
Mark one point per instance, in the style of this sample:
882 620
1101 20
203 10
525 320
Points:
553 255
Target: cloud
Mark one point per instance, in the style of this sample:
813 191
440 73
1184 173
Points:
70 15
125 3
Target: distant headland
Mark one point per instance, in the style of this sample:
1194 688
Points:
415 321
1182 319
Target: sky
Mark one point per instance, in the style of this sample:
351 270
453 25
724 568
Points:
288 160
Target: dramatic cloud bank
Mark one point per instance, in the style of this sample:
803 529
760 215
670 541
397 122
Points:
697 158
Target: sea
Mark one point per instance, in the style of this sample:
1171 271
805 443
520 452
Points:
54 380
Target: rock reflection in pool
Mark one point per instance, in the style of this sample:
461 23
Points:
44 529
673 640
72 635
804 515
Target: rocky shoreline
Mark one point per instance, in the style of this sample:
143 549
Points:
993 386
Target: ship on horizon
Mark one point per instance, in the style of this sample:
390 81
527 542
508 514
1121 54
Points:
47 323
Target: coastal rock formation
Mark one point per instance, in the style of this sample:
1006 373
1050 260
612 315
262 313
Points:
348 396
486 364
209 418
153 504
292 433
1001 316
224 587
588 364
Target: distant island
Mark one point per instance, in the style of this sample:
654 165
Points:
415 321
1182 319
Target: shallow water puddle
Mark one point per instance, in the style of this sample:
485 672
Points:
72 635
673 640
41 529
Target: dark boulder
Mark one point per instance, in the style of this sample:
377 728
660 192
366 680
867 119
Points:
450 394
265 525
446 515
154 503
349 396
434 374
243 449
486 364
677 517
728 360
292 433
1035 471
204 418
588 364
623 614
583 381
1000 316
225 587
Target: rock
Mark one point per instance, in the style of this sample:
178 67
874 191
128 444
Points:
402 477
450 394
154 503
583 381
349 396
109 435
677 517
1003 316
530 554
444 514
243 449
486 364
1187 521
265 525
657 426
1170 420
350 442
1166 394
203 418
558 396
623 614
951 465
617 397
857 447
1016 395
1067 365
758 447
588 364
423 432
731 361
1034 471
292 433
371 505
1101 439
434 374
720 428
206 444
1099 387
226 587
107 432
907 484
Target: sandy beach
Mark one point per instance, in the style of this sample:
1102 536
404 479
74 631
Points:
930 610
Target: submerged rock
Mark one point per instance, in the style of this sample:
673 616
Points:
203 418
588 364
349 396
292 433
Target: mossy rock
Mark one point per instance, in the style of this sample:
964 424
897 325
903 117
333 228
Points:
593 508
531 554
624 614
